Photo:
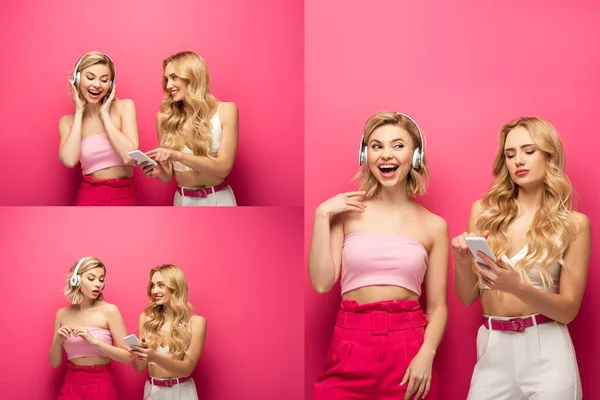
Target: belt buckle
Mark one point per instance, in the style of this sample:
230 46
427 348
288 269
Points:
203 192
105 193
516 324
169 383
380 322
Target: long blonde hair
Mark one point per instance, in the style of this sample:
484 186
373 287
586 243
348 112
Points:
174 279
416 181
553 227
73 293
193 112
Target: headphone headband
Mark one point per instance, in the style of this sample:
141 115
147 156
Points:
75 279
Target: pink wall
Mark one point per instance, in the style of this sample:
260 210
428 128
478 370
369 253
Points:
461 72
243 275
254 51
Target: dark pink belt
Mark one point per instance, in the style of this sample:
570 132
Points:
202 192
515 324
167 382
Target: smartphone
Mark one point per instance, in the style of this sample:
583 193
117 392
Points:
132 340
141 157
477 244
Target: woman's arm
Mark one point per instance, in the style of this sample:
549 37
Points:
436 288
465 280
325 254
117 329
125 139
139 365
69 128
419 373
60 334
563 306
186 366
221 165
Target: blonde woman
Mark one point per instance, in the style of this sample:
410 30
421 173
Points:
197 134
99 135
90 332
172 337
534 286
384 245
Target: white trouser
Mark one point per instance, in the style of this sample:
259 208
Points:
181 391
223 197
537 364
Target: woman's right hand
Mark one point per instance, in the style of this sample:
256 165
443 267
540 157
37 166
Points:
148 170
77 99
63 333
460 250
349 201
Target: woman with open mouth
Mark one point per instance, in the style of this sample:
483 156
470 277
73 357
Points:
534 286
172 337
90 331
99 135
386 247
197 135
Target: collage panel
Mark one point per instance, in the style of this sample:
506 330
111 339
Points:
210 96
240 336
425 90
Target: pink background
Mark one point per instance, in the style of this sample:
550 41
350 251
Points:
461 70
243 268
254 52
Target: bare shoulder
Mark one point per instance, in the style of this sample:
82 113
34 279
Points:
125 105
61 312
228 111
109 308
583 222
477 207
142 317
66 120
198 323
436 224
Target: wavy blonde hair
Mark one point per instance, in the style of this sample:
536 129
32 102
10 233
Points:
416 181
73 293
554 226
179 340
193 112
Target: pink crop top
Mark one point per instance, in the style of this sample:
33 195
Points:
382 259
76 347
97 153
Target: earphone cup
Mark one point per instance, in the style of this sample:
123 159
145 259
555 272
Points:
416 160
75 280
362 154
76 80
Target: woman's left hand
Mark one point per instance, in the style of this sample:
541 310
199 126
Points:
143 352
500 275
161 154
106 103
418 376
86 335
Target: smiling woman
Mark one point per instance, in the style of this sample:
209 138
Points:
197 134
99 135
385 248
168 319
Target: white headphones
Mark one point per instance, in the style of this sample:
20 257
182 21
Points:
76 278
418 154
77 73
